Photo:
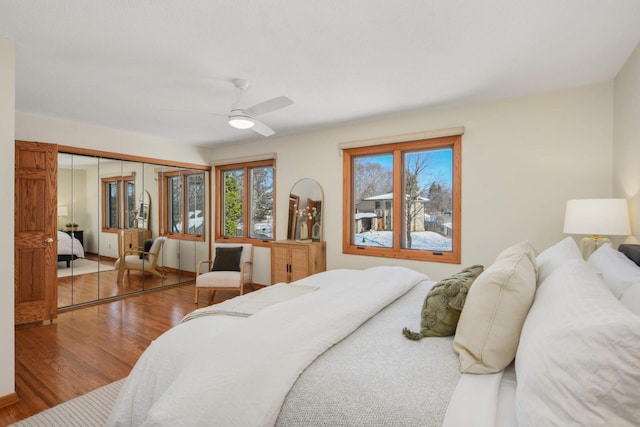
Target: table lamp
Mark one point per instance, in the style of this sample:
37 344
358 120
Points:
62 212
597 218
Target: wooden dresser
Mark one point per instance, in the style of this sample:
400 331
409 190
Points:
291 260
130 238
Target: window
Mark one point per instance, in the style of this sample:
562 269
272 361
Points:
183 197
118 202
402 200
244 195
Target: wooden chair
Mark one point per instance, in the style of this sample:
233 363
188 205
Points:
138 259
227 279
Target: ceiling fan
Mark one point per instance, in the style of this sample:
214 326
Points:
245 118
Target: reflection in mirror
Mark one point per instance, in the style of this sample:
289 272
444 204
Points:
120 238
74 235
305 211
142 212
99 200
183 199
294 201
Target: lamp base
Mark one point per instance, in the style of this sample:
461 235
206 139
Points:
588 245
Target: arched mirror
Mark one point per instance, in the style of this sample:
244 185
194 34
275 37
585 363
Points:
144 204
305 211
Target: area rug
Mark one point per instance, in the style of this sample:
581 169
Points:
83 266
89 410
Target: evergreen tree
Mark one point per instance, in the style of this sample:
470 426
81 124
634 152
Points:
232 202
262 195
439 198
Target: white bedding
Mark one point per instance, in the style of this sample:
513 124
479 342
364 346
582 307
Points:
373 376
69 246
231 370
484 400
253 302
378 377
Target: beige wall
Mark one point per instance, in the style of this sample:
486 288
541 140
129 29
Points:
7 105
30 127
522 159
74 198
626 149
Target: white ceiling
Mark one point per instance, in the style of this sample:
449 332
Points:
156 67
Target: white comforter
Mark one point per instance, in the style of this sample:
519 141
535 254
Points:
229 370
69 246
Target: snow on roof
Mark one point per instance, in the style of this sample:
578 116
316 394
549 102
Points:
389 196
361 215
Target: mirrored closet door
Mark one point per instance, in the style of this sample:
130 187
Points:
127 226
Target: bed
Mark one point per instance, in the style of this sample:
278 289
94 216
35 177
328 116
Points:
69 248
543 339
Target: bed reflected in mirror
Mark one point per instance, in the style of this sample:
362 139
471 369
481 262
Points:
106 204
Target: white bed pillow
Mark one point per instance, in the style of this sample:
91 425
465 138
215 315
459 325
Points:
497 304
556 255
617 270
631 297
578 361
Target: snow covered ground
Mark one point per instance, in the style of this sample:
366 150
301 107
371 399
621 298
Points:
420 240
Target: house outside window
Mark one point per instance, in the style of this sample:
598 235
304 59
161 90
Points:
118 203
245 195
403 200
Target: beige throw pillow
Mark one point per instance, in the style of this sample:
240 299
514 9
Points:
497 304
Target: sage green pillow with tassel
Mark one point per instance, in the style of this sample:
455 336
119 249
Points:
443 305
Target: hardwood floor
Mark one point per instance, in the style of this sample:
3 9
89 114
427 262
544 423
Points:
83 288
89 347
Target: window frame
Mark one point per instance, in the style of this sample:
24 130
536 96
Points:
163 182
219 211
122 210
398 149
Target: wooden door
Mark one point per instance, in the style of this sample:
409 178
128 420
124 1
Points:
36 169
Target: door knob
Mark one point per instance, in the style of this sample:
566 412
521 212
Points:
49 240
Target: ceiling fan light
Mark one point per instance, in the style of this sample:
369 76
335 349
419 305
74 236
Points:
241 121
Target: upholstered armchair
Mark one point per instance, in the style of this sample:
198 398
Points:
138 259
230 269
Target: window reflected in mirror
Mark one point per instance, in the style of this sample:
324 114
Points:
110 209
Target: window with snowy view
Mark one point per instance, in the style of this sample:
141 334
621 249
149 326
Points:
404 200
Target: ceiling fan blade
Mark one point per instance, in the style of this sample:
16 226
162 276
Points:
269 106
261 128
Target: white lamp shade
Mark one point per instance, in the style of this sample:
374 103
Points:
62 211
603 217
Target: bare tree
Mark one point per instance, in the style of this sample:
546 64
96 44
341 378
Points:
415 165
371 179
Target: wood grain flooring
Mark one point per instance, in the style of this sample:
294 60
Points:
85 288
92 346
